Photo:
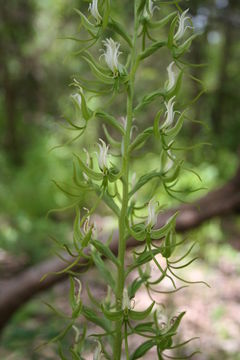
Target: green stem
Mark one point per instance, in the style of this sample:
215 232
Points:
125 196
126 340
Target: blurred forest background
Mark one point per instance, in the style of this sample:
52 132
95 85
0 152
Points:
37 63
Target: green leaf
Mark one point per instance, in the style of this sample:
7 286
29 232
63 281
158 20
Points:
106 14
140 315
89 172
114 174
65 191
72 293
59 313
104 271
160 233
77 182
173 132
172 32
119 29
142 349
144 258
180 50
163 22
151 50
105 251
141 139
140 6
77 310
147 99
165 343
87 24
169 244
95 318
86 112
110 120
176 323
145 327
156 124
144 179
138 232
113 143
99 72
60 353
113 315
77 235
174 175
135 286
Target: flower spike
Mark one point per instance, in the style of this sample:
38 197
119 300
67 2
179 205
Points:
93 8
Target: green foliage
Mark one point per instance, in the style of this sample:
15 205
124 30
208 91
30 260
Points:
116 315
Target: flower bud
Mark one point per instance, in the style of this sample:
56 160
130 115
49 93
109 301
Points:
102 155
79 290
98 352
149 9
181 25
77 99
152 213
126 302
93 8
169 113
171 77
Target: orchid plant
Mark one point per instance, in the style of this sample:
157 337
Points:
115 317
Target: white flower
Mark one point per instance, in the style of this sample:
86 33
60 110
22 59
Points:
171 77
126 302
162 318
102 155
152 213
93 8
79 290
181 25
169 164
77 333
111 55
86 226
124 121
78 99
149 9
169 113
98 352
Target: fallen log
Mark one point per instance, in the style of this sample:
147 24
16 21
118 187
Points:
16 291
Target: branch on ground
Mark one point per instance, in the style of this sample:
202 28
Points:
16 291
